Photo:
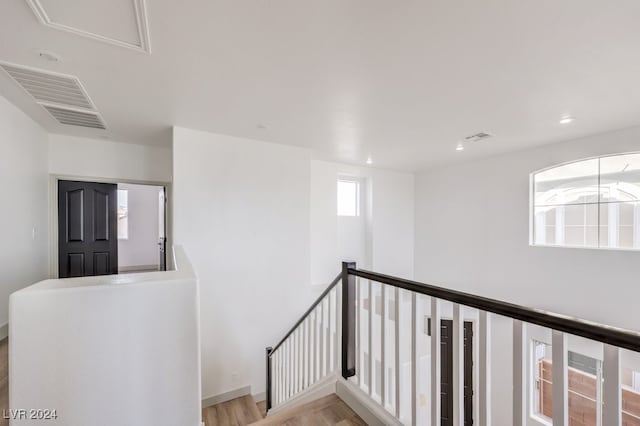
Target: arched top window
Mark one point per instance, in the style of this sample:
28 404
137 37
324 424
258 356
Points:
589 203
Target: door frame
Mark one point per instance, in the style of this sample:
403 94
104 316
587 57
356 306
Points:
53 213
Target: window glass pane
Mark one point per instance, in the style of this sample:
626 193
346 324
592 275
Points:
543 381
573 183
570 225
620 225
630 396
123 214
583 388
620 178
348 197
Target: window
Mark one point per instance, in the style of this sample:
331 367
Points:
348 197
590 203
123 214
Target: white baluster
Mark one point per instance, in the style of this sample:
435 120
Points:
414 394
275 385
484 369
287 374
560 379
612 386
327 335
338 338
519 373
435 362
294 366
383 362
321 339
301 357
313 350
358 377
397 351
280 377
370 354
307 349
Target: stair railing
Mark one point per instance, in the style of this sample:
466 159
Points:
361 306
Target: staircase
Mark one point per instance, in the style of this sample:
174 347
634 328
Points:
328 410
368 340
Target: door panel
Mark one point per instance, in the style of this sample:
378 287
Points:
87 229
101 263
446 373
75 265
468 373
75 214
101 215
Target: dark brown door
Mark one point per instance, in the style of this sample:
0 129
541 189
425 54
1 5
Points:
87 229
446 373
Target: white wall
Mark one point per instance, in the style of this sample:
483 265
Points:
252 214
472 234
24 193
388 213
141 246
242 211
74 156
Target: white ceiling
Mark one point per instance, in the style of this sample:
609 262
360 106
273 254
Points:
402 81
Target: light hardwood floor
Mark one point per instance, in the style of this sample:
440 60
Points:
237 412
329 410
4 381
243 411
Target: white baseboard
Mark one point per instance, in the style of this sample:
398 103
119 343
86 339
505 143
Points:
326 386
369 410
226 396
138 268
262 396
4 331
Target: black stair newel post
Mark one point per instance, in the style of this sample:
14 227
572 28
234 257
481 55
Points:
348 320
268 392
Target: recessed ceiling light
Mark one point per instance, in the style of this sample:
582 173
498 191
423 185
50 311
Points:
566 119
460 147
369 160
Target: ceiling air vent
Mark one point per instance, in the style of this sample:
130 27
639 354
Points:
477 137
75 118
45 86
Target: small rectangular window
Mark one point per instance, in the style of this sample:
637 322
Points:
123 214
348 197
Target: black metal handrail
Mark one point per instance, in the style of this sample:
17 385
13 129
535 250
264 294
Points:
615 336
271 350
623 338
308 311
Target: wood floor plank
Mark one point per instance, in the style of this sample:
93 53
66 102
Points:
4 380
327 411
237 412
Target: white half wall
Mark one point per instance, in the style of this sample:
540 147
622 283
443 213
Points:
242 211
25 195
95 158
472 234
114 350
